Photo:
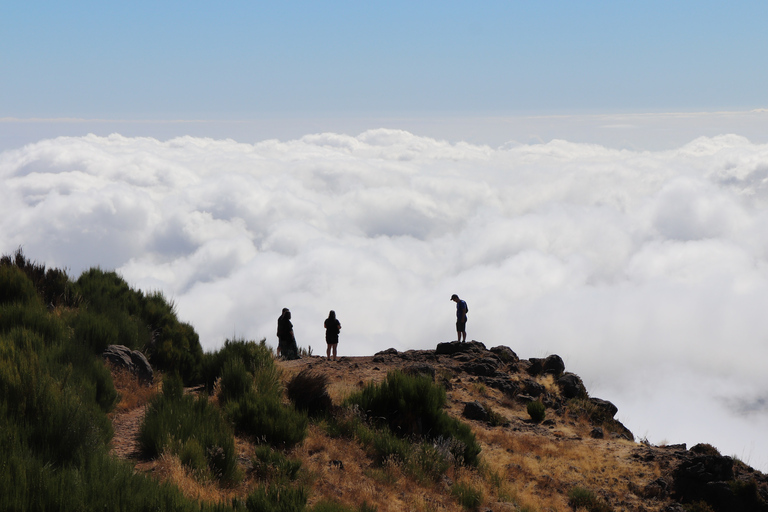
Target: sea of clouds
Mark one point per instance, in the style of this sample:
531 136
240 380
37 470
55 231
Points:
647 271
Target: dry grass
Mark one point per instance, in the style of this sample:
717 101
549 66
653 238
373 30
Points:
133 393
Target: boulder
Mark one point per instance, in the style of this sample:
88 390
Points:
131 360
553 364
485 367
475 411
571 386
533 388
454 347
503 384
606 407
506 354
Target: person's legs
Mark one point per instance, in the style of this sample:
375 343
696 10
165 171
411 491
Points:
328 351
334 350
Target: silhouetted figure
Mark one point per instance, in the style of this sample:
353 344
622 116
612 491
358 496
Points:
332 328
461 317
286 341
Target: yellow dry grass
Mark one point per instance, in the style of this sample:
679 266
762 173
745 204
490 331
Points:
132 392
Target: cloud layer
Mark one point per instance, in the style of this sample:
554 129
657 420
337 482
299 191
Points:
646 271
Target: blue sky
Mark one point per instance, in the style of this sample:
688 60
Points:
246 60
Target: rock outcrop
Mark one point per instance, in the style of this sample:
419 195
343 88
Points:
131 360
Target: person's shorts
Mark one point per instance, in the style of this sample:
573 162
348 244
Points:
332 340
461 326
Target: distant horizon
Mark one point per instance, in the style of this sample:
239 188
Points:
619 130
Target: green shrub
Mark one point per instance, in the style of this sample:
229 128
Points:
94 331
333 506
51 285
412 406
266 419
173 419
272 465
537 411
192 455
584 498
32 317
277 498
235 381
308 391
469 497
257 358
15 286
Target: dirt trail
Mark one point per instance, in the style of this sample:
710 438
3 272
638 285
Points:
125 442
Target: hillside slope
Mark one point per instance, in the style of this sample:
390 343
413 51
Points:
578 457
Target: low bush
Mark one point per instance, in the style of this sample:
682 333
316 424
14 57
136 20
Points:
272 465
277 498
580 498
536 411
173 420
256 357
308 391
235 381
469 497
411 406
266 419
333 506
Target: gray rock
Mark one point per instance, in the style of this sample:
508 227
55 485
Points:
506 354
485 367
605 406
533 388
475 411
131 360
571 386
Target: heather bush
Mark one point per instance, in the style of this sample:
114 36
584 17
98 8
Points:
94 331
411 406
277 498
333 506
51 285
174 419
272 465
256 357
469 497
148 322
265 419
536 411
309 392
580 498
15 286
235 381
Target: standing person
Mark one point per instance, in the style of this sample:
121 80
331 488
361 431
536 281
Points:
286 342
461 317
332 328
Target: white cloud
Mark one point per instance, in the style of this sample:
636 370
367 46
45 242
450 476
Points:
646 270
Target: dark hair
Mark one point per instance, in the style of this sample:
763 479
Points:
332 315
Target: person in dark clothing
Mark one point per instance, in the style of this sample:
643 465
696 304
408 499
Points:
461 317
332 328
286 341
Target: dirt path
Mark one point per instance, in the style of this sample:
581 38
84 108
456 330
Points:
125 442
